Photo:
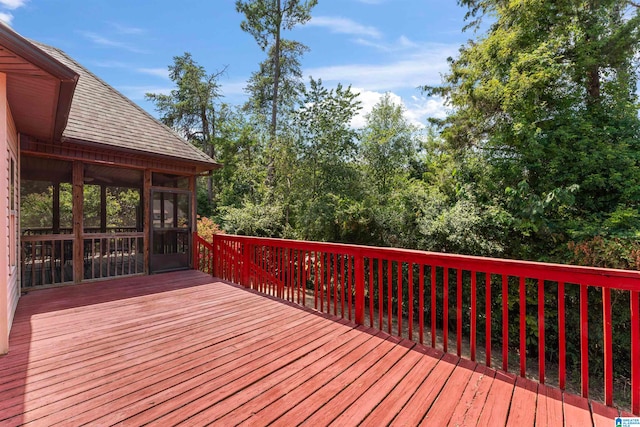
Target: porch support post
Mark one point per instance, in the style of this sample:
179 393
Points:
146 218
194 213
78 221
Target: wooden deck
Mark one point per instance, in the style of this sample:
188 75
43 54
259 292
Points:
185 348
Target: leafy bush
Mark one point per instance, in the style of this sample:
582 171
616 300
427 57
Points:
207 228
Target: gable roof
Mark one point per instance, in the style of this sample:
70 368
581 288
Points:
102 115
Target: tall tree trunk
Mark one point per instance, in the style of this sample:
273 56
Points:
274 104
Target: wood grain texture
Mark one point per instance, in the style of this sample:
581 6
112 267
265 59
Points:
185 348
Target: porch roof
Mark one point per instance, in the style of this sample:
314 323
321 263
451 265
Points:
102 116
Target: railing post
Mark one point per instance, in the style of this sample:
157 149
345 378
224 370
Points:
246 259
359 273
196 250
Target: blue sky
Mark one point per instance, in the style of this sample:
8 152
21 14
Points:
376 46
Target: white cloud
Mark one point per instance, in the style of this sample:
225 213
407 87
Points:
157 72
6 17
107 42
402 44
412 71
344 26
13 4
416 109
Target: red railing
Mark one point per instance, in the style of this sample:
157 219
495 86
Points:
430 297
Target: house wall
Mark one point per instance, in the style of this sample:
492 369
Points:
9 254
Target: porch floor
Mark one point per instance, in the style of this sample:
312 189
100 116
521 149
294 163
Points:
183 347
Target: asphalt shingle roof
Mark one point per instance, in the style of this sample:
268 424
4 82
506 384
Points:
100 114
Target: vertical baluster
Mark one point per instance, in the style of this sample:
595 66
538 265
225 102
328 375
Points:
541 337
445 309
433 305
487 307
315 288
584 340
635 352
421 269
459 312
562 340
474 303
523 327
608 347
389 295
505 322
380 294
335 284
400 298
370 292
342 267
349 285
410 299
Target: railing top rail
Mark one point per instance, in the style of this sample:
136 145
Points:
594 276
46 237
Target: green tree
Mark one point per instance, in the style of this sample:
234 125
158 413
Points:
548 95
266 20
190 108
387 145
326 179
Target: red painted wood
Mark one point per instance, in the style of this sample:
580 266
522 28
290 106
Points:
584 341
445 310
576 411
410 292
424 397
389 294
541 337
371 292
335 284
421 303
549 410
367 401
473 399
524 399
342 283
459 312
608 346
433 305
182 347
474 315
386 410
487 326
443 408
349 286
380 295
505 322
602 415
562 340
523 326
399 290
277 276
496 407
635 352
359 273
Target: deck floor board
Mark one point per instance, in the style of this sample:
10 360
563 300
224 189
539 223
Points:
185 348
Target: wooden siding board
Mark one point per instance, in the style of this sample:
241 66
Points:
185 348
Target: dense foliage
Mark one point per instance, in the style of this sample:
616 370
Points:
537 159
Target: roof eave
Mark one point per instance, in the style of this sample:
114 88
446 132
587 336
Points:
200 165
68 78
